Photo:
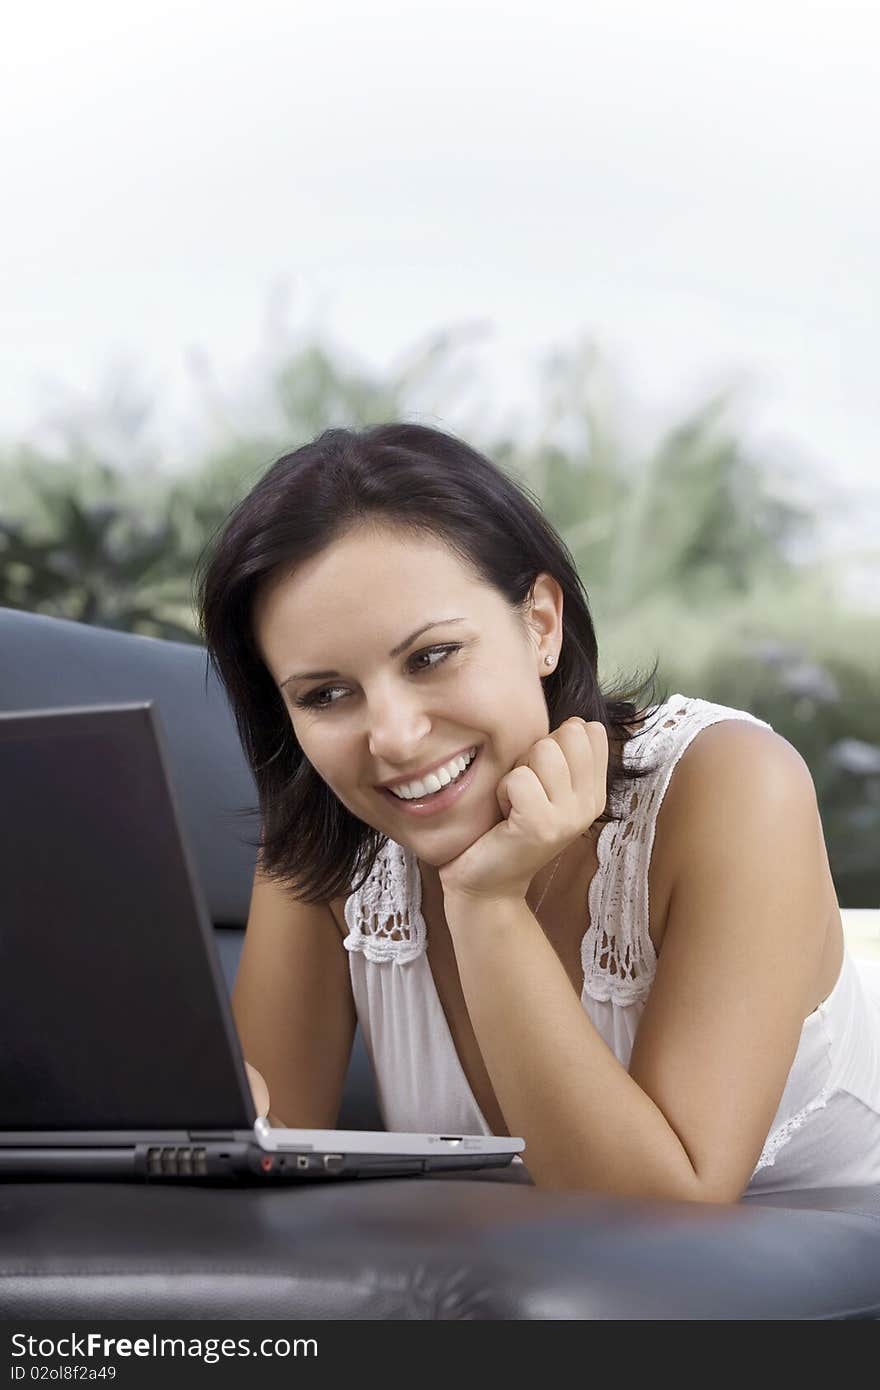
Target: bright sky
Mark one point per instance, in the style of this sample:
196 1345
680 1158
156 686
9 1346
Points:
694 187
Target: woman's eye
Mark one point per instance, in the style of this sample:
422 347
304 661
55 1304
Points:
314 699
432 651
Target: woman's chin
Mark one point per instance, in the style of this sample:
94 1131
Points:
438 846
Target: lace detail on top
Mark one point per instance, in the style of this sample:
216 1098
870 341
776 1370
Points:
620 965
384 918
780 1137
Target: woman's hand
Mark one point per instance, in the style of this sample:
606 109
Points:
552 794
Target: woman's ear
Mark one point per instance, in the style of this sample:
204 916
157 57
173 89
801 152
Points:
544 612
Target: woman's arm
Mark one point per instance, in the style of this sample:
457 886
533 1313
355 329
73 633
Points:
722 1022
293 1008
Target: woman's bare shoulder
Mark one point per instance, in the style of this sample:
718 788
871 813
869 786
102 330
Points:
726 753
720 749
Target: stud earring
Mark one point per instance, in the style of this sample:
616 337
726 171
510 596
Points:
548 660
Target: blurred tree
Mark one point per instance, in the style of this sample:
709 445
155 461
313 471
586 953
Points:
89 553
692 553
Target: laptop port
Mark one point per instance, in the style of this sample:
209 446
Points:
302 1161
334 1163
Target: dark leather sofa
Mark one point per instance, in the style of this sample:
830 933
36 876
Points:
472 1246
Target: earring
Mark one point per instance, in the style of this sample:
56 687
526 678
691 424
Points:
548 661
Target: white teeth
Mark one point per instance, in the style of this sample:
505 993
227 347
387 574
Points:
435 781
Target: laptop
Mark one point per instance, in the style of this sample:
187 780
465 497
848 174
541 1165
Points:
119 1056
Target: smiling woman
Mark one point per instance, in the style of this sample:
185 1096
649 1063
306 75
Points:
347 553
604 924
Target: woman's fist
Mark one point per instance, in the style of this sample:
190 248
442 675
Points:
554 793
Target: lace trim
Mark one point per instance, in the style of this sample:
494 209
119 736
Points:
621 967
780 1137
615 967
377 923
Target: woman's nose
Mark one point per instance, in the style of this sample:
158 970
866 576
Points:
396 729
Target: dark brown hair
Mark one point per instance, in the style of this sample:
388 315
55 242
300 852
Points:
428 484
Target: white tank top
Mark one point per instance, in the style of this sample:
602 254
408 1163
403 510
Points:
826 1131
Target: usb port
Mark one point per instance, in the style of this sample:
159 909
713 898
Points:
334 1163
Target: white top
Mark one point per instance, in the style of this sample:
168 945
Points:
826 1131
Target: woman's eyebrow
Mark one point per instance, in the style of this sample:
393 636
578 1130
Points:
395 651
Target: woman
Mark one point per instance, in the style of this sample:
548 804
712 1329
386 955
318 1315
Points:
604 925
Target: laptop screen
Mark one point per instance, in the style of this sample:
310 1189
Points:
113 1007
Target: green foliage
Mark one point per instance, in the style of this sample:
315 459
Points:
86 547
688 554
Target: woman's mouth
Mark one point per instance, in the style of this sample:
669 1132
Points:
432 802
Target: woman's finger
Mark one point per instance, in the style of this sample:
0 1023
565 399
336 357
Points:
259 1090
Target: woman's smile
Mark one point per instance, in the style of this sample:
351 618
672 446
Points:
432 803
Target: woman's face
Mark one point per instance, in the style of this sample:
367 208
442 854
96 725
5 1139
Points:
471 678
